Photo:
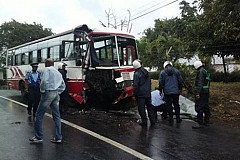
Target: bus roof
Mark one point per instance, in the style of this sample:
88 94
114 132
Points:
95 31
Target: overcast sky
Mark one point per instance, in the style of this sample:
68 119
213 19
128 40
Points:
62 15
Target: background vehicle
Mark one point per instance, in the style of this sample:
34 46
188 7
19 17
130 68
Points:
99 63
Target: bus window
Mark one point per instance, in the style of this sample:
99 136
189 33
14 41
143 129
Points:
104 52
129 53
24 58
44 55
10 59
18 59
39 55
30 57
68 50
34 57
54 53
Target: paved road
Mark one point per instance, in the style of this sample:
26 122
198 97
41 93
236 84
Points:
110 136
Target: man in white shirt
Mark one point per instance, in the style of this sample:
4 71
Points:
52 84
158 103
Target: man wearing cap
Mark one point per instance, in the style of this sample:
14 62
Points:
33 79
64 94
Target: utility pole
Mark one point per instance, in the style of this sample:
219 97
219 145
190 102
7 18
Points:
129 18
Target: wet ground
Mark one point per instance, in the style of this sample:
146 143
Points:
111 135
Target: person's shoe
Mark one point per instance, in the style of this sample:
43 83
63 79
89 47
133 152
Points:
54 140
35 140
179 120
198 126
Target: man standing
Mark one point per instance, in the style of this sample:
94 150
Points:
52 84
170 83
32 80
202 84
142 93
64 95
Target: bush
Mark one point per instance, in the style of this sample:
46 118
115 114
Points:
230 77
154 75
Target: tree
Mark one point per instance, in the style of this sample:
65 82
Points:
14 33
220 24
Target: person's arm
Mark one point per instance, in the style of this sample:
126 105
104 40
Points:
161 82
135 83
62 87
44 80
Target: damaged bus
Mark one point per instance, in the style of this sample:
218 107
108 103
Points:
99 64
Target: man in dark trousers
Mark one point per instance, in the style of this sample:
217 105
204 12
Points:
202 84
33 79
170 83
64 95
142 93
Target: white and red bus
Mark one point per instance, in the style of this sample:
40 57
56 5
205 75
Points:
99 63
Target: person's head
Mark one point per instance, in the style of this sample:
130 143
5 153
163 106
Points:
137 64
62 65
34 66
197 64
166 63
49 62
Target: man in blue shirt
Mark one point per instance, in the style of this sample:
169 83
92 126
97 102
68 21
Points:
33 79
52 84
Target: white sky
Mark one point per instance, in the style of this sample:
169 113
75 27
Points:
62 15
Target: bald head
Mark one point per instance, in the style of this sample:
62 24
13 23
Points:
49 62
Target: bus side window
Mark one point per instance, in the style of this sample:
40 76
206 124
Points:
55 53
44 54
39 56
30 57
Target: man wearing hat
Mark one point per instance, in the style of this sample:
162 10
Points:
64 95
33 79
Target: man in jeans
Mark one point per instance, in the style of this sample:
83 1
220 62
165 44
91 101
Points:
52 84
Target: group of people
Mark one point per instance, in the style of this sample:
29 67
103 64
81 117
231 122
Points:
166 96
45 90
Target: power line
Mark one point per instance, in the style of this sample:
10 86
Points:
150 7
154 10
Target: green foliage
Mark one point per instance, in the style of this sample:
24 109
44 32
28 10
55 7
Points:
170 39
14 33
154 75
220 27
188 74
220 76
